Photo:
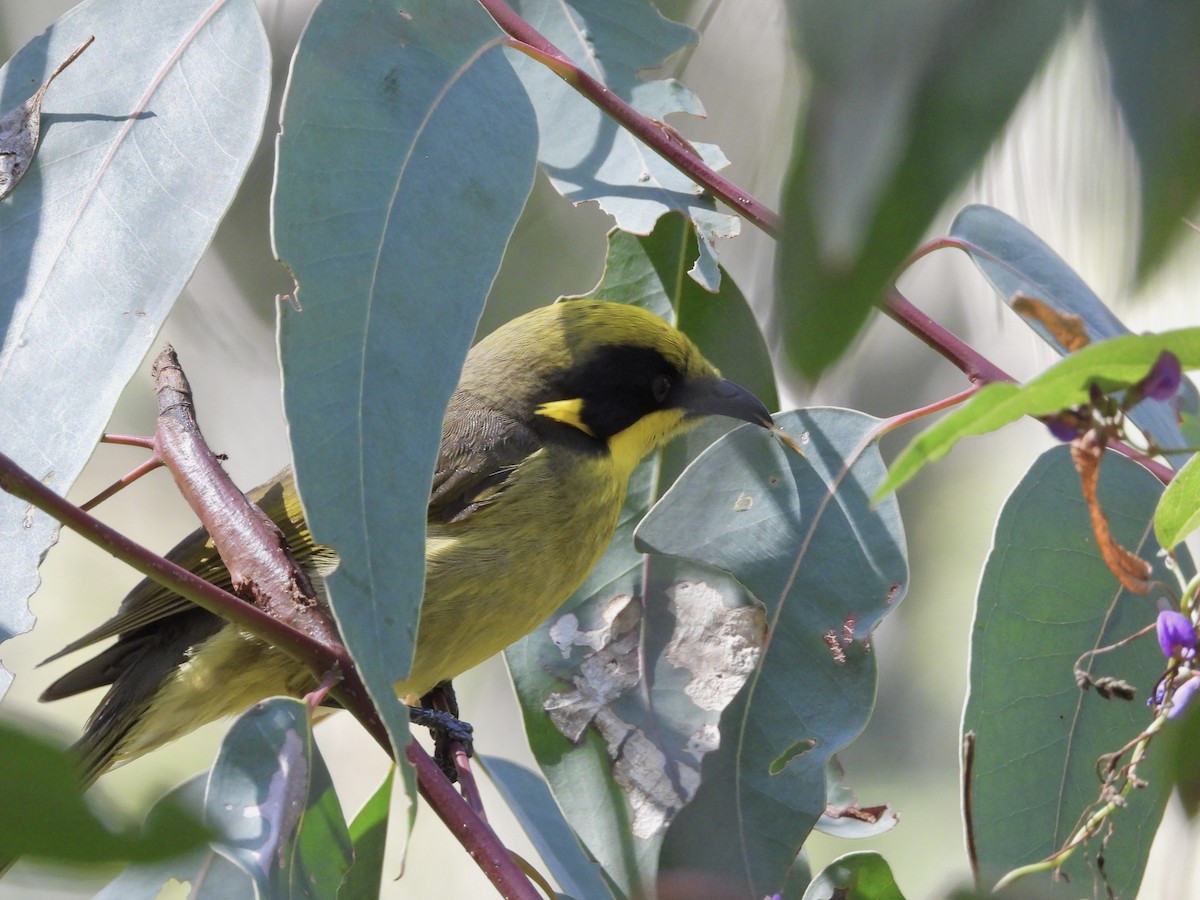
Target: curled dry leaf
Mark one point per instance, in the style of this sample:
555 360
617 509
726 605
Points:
20 129
1131 570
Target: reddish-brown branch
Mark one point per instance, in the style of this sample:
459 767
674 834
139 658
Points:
659 137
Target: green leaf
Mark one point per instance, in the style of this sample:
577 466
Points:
271 798
586 154
885 139
1178 512
146 138
46 816
1154 68
863 876
209 875
1017 263
407 153
1046 598
368 834
1113 365
529 798
800 534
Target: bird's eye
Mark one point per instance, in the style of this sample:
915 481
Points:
660 386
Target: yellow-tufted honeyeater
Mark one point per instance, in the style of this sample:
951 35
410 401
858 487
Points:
551 415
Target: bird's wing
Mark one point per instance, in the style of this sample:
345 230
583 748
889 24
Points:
149 602
479 453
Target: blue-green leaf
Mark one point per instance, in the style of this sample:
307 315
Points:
407 153
146 138
586 154
271 799
1046 598
801 535
1155 69
885 139
530 800
1058 305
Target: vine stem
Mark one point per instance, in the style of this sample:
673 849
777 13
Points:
1089 828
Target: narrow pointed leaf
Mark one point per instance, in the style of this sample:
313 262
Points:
1113 365
1025 272
368 834
134 173
530 800
885 139
1154 69
406 156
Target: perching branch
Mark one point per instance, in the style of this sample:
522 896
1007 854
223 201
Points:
245 541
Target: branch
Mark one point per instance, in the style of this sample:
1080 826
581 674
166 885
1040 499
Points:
207 486
661 138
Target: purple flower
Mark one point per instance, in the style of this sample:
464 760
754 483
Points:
1183 695
1164 378
1176 635
1062 429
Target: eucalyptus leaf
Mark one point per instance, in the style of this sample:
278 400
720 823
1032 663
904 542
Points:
801 535
47 818
884 140
1154 69
531 801
406 156
1045 599
586 154
1051 298
208 874
132 178
271 799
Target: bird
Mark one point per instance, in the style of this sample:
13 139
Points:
552 413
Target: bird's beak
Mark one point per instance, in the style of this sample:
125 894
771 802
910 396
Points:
724 398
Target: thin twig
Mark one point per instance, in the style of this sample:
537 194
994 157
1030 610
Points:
123 482
968 802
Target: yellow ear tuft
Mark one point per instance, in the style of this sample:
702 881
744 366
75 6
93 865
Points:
569 412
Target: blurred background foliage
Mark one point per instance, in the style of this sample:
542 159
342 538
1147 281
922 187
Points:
1063 165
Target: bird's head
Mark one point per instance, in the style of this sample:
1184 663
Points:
616 374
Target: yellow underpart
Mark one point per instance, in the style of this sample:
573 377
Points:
569 412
